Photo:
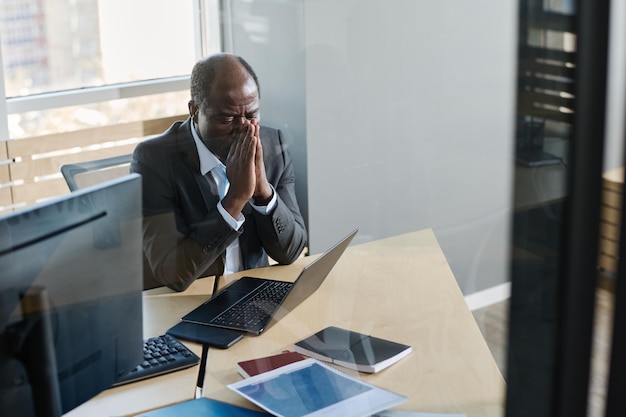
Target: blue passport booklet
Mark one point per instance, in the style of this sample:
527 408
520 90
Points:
203 407
310 388
352 350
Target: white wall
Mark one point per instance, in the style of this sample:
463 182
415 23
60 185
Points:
269 34
616 87
407 109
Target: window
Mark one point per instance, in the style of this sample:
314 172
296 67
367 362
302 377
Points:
60 54
87 79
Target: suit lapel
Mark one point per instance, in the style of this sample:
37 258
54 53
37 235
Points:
206 185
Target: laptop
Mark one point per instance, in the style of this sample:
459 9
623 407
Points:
252 305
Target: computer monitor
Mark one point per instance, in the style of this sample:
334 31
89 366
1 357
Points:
70 297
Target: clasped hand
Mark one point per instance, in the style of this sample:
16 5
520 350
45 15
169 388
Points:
245 170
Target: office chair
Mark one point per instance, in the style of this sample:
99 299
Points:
84 174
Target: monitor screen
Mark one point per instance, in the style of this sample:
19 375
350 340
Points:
70 297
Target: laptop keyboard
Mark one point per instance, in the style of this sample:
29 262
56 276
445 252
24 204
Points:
161 355
253 310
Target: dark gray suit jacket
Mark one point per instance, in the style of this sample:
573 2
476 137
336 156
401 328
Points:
185 236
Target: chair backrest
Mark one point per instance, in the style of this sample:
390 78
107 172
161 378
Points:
85 174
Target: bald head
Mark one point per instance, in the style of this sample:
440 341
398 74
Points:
226 68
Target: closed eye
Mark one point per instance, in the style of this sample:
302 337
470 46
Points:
227 120
231 119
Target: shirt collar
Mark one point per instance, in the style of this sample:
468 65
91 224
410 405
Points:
208 160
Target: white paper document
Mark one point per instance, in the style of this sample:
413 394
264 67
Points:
310 388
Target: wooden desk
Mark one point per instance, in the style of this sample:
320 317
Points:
399 288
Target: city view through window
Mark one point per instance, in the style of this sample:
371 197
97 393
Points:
55 45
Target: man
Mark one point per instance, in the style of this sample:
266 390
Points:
219 188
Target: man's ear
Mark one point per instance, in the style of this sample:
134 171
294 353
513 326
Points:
193 111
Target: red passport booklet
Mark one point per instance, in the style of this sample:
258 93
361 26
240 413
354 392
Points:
257 366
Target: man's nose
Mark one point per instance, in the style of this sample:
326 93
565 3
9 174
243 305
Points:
238 123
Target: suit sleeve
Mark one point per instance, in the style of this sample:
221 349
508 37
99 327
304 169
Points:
282 233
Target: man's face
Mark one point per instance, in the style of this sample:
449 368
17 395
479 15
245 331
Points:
233 101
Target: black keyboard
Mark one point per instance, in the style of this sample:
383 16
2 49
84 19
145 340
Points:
161 354
255 309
